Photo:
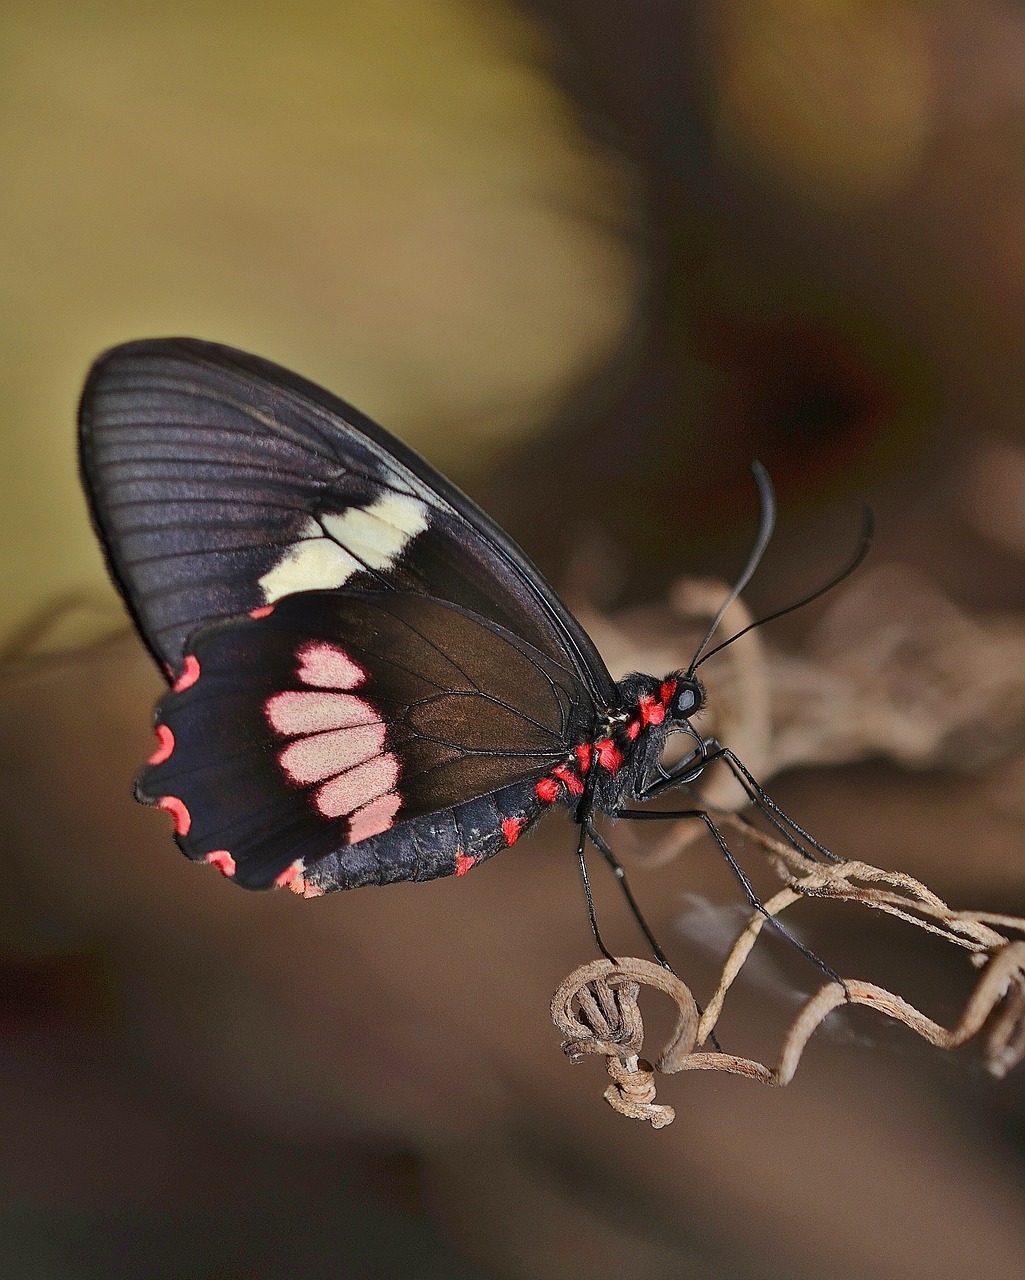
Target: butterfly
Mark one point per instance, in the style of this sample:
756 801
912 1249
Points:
369 681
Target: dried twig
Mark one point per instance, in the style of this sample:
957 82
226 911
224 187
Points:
596 1010
875 679
596 1006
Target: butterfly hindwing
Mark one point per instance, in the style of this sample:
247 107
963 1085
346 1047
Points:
220 483
326 728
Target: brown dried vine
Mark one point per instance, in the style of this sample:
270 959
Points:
786 711
596 1006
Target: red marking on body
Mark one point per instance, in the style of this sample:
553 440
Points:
633 729
289 874
511 828
463 863
652 711
223 861
609 755
165 741
667 691
262 612
176 808
584 756
547 790
189 675
573 784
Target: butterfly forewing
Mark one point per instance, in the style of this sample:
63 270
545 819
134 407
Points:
221 483
331 724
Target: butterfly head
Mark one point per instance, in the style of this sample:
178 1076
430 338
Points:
687 700
663 705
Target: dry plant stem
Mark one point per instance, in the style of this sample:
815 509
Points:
596 1006
596 1010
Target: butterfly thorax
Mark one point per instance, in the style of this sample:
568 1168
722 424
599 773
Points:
625 744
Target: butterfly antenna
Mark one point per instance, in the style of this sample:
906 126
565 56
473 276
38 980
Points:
765 527
867 533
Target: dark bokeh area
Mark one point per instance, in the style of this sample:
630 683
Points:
592 259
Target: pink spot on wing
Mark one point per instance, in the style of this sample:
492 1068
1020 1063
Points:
357 787
511 828
165 745
176 808
325 754
289 874
463 863
373 818
262 612
299 712
223 861
189 675
327 667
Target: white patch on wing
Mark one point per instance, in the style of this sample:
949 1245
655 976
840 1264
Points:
314 564
377 535
332 551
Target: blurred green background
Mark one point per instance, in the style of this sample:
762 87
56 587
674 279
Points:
393 199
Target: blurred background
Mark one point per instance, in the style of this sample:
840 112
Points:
591 259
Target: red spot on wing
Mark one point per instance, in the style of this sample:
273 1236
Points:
584 754
165 745
609 755
189 675
573 784
262 612
176 808
463 863
223 861
289 874
511 829
547 790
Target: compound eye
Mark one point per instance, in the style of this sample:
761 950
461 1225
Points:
688 701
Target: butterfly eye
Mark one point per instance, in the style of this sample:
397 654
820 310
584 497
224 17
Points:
689 700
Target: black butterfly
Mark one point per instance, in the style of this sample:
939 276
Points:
369 680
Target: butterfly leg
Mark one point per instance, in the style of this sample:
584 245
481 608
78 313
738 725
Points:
620 873
586 880
712 750
764 802
701 815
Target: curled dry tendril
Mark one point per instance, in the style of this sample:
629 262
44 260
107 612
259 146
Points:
846 697
596 1007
